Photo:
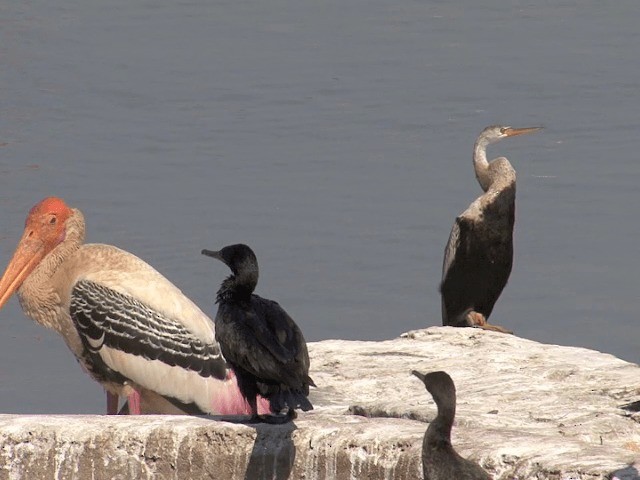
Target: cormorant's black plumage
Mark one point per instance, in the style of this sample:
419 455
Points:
261 342
439 460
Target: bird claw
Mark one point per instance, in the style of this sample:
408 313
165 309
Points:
478 320
495 328
275 419
475 319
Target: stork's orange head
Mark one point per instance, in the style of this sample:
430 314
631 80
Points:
44 229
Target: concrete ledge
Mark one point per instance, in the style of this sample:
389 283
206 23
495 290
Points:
156 447
525 411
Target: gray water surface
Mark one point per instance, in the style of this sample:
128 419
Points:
334 138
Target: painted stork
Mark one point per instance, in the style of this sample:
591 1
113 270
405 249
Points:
129 327
263 345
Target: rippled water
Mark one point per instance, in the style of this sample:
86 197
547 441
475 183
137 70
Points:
334 138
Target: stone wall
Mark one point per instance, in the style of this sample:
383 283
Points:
525 411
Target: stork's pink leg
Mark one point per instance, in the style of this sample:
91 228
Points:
112 403
134 403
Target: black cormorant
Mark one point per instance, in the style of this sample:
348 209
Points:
479 254
439 460
261 342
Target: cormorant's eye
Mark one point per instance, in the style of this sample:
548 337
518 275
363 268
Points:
503 130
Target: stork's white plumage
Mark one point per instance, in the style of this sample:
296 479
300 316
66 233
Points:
129 327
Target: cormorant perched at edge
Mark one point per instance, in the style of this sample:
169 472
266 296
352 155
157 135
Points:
479 254
439 460
261 342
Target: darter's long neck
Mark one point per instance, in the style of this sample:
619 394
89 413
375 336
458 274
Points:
481 165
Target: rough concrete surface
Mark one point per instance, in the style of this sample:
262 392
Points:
525 411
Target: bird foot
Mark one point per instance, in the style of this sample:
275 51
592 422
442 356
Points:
495 328
275 419
475 319
478 320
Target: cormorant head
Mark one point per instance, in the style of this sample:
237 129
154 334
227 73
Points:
440 386
239 258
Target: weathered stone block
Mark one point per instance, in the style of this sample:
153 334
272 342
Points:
525 411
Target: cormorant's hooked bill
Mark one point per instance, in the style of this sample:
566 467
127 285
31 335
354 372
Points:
211 253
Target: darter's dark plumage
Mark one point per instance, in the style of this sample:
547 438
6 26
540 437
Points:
439 460
261 342
479 254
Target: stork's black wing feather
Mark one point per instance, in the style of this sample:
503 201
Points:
105 317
